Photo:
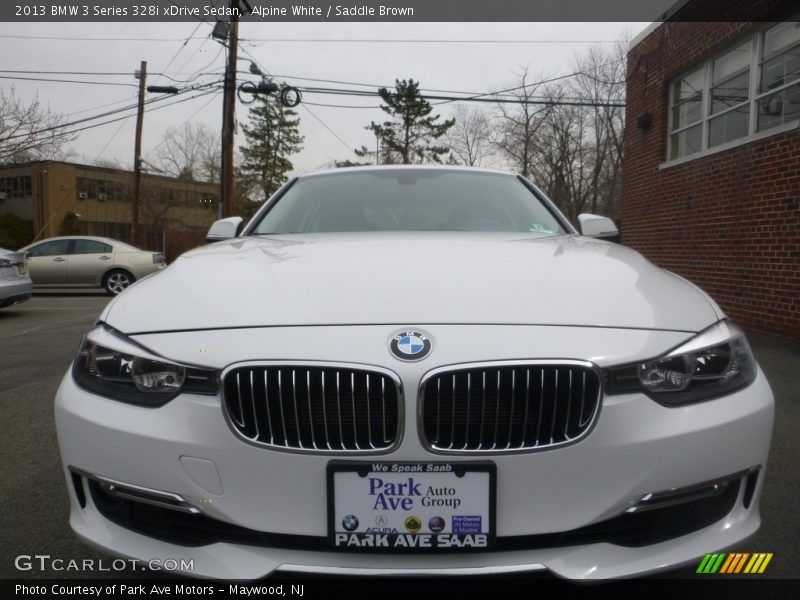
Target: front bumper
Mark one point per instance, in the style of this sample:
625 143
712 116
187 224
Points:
637 447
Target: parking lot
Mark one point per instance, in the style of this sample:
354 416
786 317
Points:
38 339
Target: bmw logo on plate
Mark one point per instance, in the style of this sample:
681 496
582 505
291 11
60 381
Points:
410 345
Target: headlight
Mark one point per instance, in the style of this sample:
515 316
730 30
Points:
113 366
714 363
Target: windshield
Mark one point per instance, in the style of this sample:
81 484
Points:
408 200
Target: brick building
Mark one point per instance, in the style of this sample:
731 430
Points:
55 198
711 185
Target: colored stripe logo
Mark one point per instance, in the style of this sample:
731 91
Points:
734 563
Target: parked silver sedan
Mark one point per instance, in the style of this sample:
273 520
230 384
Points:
81 261
15 284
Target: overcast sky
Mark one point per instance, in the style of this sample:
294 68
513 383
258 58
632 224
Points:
465 67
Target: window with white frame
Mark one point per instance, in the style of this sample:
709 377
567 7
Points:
752 87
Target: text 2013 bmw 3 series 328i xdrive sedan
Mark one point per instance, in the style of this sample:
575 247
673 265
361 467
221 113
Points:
414 370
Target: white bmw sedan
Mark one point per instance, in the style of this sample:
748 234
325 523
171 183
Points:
413 370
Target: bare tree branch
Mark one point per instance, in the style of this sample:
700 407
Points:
468 140
30 131
191 151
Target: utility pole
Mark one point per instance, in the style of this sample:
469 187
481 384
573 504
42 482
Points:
137 155
227 196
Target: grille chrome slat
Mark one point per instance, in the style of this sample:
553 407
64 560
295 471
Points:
280 404
325 413
453 410
466 426
533 413
369 417
540 404
310 411
569 404
240 420
527 407
386 439
311 423
353 402
511 410
555 410
253 405
296 412
266 405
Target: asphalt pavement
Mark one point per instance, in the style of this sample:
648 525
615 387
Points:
39 338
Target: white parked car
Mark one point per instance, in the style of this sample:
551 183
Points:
405 370
15 284
85 261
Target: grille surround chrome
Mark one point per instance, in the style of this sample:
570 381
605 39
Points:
299 364
566 363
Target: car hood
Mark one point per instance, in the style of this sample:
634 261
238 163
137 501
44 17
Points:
411 279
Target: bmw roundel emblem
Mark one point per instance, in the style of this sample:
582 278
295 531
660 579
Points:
350 522
410 345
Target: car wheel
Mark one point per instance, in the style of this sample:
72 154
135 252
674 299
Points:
116 281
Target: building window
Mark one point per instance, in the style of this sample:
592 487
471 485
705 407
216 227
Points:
752 87
15 187
779 87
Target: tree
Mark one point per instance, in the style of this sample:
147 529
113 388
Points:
30 131
568 137
468 140
191 151
565 156
409 136
271 138
14 231
515 135
602 77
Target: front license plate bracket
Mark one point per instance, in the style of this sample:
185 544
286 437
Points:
407 507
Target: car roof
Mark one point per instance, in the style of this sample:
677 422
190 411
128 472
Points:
96 238
378 168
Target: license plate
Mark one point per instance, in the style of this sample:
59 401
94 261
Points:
392 506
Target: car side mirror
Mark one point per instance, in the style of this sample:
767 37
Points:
598 227
224 229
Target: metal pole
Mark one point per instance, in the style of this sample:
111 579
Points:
137 156
227 197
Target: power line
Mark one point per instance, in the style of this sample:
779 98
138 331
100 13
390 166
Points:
525 86
89 39
186 41
201 70
189 118
102 73
313 40
480 98
81 81
373 107
105 114
116 120
472 95
91 108
312 113
113 136
125 73
369 85
422 41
